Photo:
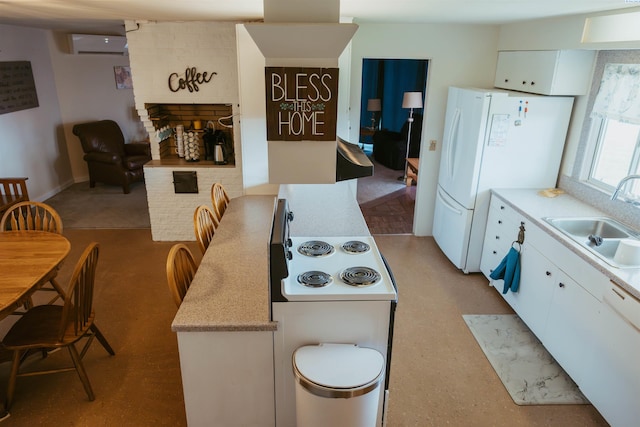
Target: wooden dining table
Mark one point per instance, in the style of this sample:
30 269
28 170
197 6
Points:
28 260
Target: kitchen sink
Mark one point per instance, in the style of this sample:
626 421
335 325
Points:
599 235
606 228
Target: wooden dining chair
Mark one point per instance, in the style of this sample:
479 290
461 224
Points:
30 215
55 326
181 267
204 224
219 199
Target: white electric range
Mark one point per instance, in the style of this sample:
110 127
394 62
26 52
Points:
335 269
334 289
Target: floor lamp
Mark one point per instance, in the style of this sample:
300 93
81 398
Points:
410 100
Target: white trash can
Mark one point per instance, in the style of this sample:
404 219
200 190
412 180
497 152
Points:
337 385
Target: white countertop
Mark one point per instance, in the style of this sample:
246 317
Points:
324 210
230 291
535 207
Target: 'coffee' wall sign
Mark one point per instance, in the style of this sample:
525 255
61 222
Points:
192 78
302 103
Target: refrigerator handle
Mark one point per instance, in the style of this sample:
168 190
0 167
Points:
448 205
453 141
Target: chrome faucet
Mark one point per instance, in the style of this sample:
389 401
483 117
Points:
621 184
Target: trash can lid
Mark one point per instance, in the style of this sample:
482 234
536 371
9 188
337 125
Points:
341 366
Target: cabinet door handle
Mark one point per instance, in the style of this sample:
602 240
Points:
494 252
618 293
561 285
499 221
497 237
548 273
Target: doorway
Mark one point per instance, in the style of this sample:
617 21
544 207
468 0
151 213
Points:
386 201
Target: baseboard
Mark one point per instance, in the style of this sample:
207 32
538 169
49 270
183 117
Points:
55 190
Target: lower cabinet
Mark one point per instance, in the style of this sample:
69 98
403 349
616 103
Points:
501 231
613 380
227 378
573 315
533 298
588 324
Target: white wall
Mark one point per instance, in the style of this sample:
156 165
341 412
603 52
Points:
555 33
87 92
459 55
38 142
253 122
33 143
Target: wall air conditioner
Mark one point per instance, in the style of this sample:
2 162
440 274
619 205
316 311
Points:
96 44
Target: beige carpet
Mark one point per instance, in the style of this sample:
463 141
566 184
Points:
383 182
104 206
525 367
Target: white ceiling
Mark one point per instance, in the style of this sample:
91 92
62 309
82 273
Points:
107 15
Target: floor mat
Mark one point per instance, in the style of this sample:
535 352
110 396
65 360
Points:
525 367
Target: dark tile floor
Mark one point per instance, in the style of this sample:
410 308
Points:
392 213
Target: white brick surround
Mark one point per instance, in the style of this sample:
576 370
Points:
156 50
172 214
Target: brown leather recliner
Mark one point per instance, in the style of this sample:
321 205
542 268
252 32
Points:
110 160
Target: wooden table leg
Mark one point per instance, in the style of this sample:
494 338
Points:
412 171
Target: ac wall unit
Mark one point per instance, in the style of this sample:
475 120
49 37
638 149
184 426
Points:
96 44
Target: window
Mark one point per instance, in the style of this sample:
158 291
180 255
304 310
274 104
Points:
616 130
617 153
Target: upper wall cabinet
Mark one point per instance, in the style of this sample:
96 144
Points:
545 72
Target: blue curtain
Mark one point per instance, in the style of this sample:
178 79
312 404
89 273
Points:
389 79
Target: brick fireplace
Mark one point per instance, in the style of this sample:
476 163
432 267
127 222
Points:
165 58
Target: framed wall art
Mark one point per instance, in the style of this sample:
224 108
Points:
123 77
17 87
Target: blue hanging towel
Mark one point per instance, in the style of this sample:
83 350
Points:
509 271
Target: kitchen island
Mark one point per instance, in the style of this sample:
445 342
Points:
225 335
224 328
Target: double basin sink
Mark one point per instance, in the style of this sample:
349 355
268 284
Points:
603 237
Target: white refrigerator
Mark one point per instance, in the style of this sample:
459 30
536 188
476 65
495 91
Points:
492 139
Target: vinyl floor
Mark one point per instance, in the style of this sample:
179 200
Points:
439 375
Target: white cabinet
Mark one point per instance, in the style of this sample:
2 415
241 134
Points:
590 325
613 383
531 301
227 377
546 72
573 316
533 298
502 230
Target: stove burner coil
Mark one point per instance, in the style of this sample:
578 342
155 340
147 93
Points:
315 248
355 247
314 279
360 276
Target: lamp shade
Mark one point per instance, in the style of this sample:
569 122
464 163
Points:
412 100
374 105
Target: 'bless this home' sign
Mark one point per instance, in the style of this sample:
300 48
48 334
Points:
301 103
